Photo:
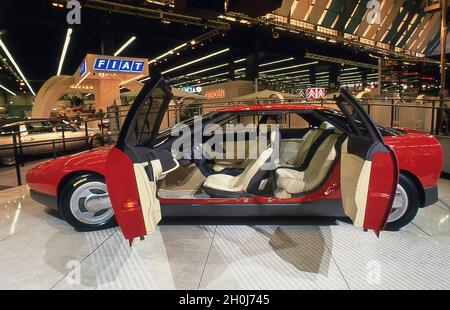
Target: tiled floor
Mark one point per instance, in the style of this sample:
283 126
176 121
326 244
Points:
38 250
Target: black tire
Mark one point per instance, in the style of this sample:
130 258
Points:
7 161
96 142
69 188
412 206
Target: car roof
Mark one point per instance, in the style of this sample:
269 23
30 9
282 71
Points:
273 107
26 121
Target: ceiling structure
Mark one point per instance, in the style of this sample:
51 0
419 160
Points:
297 43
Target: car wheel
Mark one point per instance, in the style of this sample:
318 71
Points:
96 142
406 204
7 160
84 203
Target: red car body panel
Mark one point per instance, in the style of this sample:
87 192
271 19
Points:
418 154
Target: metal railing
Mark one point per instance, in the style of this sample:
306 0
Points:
57 147
423 114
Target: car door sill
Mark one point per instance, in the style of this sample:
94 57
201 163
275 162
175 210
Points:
328 208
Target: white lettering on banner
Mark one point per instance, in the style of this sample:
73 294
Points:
374 12
119 65
74 15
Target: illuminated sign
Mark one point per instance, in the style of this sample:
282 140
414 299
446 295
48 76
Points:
193 90
214 93
118 65
316 93
83 68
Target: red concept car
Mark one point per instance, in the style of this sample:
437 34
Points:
331 162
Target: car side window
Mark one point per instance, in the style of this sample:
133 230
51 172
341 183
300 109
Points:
39 128
59 128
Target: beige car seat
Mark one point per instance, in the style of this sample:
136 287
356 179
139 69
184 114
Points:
223 185
291 181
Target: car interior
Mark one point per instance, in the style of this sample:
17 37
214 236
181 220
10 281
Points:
283 155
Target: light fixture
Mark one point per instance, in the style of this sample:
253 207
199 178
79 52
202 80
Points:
196 60
193 42
207 69
276 61
64 51
290 67
120 50
239 60
9 91
5 49
167 53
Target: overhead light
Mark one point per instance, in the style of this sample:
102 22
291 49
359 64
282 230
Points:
87 95
5 49
196 60
207 69
9 91
351 73
349 69
291 72
239 60
120 50
192 42
276 61
167 53
290 67
64 51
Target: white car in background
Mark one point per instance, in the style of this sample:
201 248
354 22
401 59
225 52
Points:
36 136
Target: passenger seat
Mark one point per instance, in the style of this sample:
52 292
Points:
312 141
228 186
290 181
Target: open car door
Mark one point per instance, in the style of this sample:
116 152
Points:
133 166
369 169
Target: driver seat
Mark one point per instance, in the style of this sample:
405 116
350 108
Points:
228 186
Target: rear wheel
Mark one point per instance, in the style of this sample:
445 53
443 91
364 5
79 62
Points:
406 204
96 142
84 203
7 160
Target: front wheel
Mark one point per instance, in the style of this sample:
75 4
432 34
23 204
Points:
406 204
84 203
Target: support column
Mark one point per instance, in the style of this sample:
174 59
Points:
106 93
443 46
364 78
335 76
312 76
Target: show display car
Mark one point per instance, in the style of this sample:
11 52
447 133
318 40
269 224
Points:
36 136
275 160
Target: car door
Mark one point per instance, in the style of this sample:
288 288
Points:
134 166
369 169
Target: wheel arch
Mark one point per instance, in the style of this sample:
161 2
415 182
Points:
415 180
70 176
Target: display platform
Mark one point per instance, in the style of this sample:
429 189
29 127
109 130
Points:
39 250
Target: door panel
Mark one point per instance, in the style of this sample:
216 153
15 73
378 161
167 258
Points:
369 169
134 165
124 194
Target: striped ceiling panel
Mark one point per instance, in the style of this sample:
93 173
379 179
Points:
404 23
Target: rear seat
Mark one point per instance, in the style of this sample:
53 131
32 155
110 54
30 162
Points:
291 181
312 140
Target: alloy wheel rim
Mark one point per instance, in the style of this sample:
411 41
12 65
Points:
400 205
78 207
